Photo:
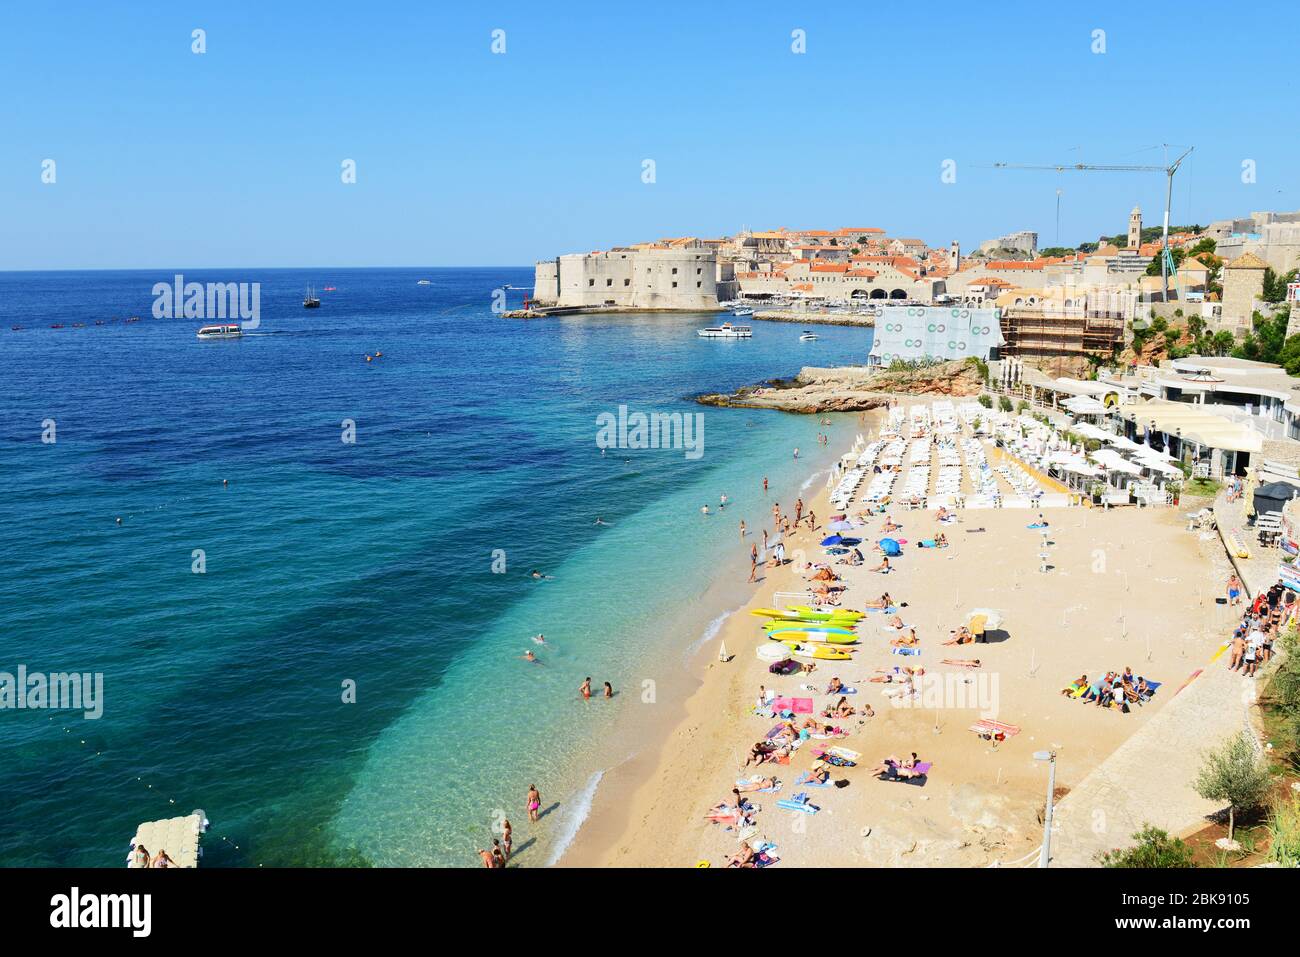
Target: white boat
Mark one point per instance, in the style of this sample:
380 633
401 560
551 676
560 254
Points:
742 311
219 332
423 282
808 336
726 331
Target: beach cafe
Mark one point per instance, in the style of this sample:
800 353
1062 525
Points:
1178 431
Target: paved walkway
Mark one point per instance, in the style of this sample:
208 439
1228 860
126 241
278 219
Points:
1148 780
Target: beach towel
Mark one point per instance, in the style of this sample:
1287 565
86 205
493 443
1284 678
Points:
805 780
794 805
920 770
795 705
990 727
840 752
904 651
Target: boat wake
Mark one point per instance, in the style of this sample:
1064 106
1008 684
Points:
573 821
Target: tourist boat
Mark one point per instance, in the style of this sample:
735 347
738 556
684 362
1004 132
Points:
726 331
742 311
311 300
808 336
220 332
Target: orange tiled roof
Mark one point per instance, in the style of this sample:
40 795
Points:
829 267
861 273
1014 264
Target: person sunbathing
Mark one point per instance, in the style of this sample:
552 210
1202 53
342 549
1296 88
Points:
824 574
884 601
960 636
893 768
744 857
896 623
889 525
763 784
835 687
842 709
962 662
883 567
908 640
760 752
941 540
1075 686
819 775
896 675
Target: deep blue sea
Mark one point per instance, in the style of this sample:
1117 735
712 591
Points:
376 562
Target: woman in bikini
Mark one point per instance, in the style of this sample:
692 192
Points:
534 802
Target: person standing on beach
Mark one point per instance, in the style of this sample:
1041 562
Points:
585 689
776 514
753 563
798 510
507 837
534 802
812 521
1234 590
488 862
742 528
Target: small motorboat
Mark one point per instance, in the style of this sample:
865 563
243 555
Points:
808 336
423 282
224 331
726 331
742 311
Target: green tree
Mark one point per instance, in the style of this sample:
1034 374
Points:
1206 245
986 400
1153 267
1194 326
1154 848
1235 774
1222 342
1004 403
1275 285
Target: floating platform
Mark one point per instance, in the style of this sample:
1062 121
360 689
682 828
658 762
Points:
180 837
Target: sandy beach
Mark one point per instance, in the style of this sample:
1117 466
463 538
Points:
1125 587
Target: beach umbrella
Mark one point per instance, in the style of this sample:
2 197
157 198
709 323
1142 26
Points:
890 547
992 617
832 540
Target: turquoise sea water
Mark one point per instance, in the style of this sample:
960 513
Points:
370 562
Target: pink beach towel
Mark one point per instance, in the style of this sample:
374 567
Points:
796 705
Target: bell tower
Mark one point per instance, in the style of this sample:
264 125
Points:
1135 228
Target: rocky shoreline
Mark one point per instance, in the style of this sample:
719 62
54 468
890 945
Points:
851 388
816 318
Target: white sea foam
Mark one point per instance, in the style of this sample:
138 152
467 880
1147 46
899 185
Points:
574 818
808 482
710 632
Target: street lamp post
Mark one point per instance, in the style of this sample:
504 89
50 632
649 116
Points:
1045 855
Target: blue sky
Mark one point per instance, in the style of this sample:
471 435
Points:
166 158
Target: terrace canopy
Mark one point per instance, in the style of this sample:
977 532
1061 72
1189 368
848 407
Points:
1111 461
1084 405
1188 421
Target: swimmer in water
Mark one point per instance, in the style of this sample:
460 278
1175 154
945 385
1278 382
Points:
609 690
539 576
601 521
539 639
704 510
529 656
119 520
585 689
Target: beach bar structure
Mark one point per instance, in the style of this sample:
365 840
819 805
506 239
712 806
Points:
1189 433
180 837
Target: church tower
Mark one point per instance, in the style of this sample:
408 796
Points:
1135 228
954 256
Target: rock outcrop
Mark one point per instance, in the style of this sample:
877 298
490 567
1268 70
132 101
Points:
852 388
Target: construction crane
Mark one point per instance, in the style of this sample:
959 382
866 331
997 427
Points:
1169 193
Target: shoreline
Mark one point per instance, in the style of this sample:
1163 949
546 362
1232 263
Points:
597 842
